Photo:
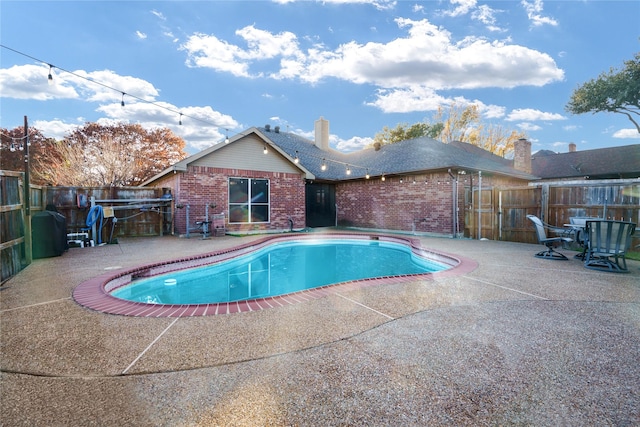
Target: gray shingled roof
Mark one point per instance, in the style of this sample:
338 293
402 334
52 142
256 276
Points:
411 156
611 163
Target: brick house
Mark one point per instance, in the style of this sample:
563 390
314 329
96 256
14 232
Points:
266 180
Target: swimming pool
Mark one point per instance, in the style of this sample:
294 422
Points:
96 293
279 269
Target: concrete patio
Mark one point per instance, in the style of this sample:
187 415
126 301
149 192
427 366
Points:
517 341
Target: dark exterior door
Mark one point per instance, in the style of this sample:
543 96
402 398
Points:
321 205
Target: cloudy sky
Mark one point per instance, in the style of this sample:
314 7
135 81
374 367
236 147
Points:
220 67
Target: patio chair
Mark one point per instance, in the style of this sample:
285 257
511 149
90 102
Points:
607 240
549 242
579 226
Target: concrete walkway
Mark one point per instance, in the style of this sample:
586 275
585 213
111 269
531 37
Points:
517 341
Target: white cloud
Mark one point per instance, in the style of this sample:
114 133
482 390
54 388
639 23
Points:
201 125
56 128
141 35
462 7
627 133
352 144
30 82
108 81
417 98
534 10
158 15
491 111
530 115
530 127
420 98
210 52
486 15
378 4
427 56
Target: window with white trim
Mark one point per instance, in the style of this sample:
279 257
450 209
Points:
248 200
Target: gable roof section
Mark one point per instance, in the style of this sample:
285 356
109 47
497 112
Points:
182 165
602 163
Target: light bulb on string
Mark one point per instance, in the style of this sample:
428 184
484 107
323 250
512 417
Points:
180 121
348 170
122 102
297 159
226 140
265 151
50 76
324 165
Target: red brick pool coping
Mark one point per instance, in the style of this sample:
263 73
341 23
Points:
95 293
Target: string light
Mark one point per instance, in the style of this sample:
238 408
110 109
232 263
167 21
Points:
155 104
367 176
158 105
297 159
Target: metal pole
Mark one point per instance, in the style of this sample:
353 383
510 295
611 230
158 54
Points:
27 189
479 205
28 247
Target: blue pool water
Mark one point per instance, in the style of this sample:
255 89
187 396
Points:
279 269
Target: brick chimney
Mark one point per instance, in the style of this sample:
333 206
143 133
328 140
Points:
522 155
572 147
322 134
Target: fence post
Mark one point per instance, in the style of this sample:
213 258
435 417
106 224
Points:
544 203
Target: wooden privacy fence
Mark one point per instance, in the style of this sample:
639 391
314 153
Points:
138 211
15 229
556 202
128 212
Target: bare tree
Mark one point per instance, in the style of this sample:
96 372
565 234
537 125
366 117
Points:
456 122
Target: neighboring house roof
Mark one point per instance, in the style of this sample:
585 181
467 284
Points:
603 163
411 156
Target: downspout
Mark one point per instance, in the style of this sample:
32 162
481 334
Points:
454 202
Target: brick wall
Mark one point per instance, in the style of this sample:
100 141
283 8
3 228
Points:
422 203
201 186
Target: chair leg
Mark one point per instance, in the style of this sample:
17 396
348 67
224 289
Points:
606 264
551 254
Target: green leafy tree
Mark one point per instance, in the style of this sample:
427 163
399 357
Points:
615 91
404 131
